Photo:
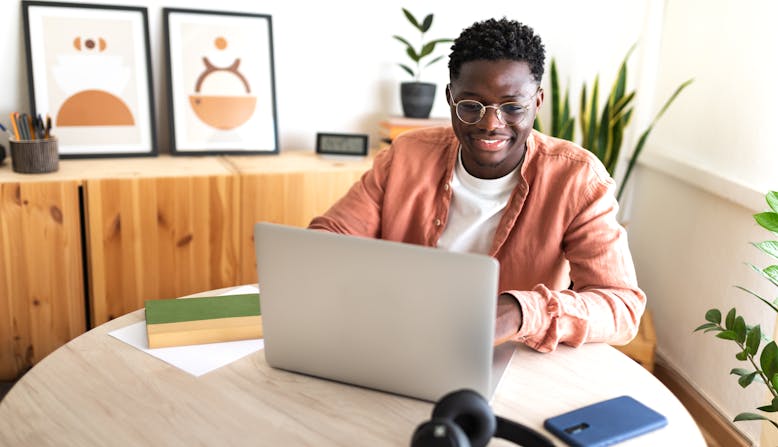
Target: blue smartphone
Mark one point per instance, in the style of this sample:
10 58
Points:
605 423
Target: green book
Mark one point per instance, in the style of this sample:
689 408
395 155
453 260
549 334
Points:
188 321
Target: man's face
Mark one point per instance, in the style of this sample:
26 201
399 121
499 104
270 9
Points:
490 148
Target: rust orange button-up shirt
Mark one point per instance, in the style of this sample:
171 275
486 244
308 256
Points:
560 224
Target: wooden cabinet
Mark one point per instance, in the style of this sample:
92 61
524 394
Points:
151 238
41 271
290 190
152 228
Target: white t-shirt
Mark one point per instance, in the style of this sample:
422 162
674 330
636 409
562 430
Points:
476 208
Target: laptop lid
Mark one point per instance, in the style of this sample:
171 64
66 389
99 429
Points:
402 318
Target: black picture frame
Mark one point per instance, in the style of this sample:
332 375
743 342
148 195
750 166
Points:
89 69
341 144
221 82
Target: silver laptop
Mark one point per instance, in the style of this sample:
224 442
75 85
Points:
401 318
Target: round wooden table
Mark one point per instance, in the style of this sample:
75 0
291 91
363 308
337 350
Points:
99 391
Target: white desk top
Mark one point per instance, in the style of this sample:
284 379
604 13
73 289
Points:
98 391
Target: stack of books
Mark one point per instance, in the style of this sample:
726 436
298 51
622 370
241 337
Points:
395 125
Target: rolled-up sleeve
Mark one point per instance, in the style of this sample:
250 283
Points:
605 304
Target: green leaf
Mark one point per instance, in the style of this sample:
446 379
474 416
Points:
644 136
566 131
768 247
713 315
774 381
727 335
740 371
729 321
749 417
746 380
767 408
740 329
772 200
554 99
412 54
427 49
584 116
773 305
767 220
425 26
772 272
434 60
769 359
592 112
713 329
764 275
411 19
742 356
706 326
401 39
753 340
408 69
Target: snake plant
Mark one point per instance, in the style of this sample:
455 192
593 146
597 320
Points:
602 129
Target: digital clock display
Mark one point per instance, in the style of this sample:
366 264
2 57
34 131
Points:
341 144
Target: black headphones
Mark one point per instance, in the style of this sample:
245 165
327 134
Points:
464 419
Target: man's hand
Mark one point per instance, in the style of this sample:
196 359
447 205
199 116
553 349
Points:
509 318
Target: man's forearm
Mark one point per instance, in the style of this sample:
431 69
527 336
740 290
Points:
509 318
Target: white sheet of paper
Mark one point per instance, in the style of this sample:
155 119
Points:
194 359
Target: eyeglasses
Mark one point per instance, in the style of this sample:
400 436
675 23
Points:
470 111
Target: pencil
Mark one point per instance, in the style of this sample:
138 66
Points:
15 127
31 127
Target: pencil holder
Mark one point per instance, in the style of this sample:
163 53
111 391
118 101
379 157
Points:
34 156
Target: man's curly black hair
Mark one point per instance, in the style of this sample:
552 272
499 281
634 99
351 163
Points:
498 39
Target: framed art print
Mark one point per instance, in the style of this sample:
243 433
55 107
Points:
89 70
221 82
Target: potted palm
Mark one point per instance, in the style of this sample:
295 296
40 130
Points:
417 97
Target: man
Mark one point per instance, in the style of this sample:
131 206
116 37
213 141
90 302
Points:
543 207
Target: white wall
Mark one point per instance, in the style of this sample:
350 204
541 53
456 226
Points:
704 173
337 61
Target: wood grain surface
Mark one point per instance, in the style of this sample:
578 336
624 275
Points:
42 299
154 238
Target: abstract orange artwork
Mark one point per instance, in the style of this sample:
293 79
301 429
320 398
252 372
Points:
90 71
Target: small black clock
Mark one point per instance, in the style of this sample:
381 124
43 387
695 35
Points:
341 143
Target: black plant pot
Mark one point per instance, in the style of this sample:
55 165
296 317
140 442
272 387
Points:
417 99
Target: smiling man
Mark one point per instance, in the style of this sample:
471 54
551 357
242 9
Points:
490 184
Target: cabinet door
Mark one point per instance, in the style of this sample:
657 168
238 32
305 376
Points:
42 299
289 198
152 238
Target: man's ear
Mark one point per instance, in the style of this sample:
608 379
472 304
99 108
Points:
539 98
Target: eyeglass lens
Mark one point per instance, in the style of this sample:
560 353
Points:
471 112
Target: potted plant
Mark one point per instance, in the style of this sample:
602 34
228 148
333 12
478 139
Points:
417 97
602 129
764 367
